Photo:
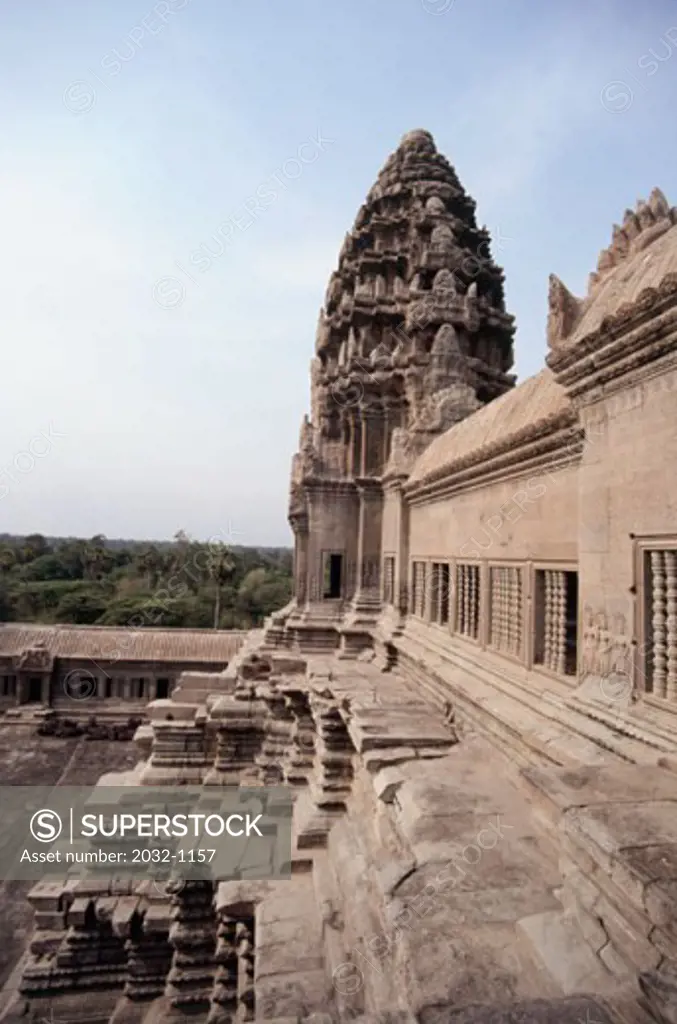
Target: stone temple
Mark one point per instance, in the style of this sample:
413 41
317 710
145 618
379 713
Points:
473 694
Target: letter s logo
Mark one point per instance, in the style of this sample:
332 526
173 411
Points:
45 826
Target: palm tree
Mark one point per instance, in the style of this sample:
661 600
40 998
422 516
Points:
7 558
150 563
221 567
95 557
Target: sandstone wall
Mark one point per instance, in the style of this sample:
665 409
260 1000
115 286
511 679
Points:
627 494
525 518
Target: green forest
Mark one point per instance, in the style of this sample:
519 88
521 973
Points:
183 583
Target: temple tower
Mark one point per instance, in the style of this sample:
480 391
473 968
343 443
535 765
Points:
413 336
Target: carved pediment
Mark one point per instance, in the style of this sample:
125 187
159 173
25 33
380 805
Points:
35 659
564 310
648 221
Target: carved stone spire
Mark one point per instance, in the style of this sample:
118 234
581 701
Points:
415 304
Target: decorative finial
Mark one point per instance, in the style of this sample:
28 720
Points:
417 136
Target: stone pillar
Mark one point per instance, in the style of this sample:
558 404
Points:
179 751
238 721
101 687
355 446
364 428
369 544
300 527
350 452
47 688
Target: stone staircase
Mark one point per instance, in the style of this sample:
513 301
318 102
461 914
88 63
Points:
530 715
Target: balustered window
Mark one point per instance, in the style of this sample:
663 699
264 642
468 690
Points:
556 620
660 616
418 588
468 600
439 593
389 579
505 622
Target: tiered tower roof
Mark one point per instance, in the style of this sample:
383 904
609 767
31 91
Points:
413 335
415 262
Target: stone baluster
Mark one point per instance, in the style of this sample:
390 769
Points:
501 609
193 937
504 599
244 934
671 624
494 629
658 623
463 599
516 615
548 620
505 610
224 1003
473 601
559 627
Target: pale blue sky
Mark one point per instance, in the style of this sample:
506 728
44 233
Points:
129 132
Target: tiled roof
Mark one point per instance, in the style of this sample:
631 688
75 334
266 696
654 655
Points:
117 643
537 399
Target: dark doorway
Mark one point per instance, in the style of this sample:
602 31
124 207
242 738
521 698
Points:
333 576
35 690
162 691
571 628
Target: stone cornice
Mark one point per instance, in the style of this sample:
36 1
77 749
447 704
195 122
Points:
394 480
551 443
369 486
623 346
327 485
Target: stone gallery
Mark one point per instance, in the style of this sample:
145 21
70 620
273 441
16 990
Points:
105 669
473 694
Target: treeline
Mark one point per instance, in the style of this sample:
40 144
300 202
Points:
185 583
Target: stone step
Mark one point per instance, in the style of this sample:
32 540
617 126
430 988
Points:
572 1010
558 944
532 716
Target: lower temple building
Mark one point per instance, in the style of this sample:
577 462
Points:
473 694
73 669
